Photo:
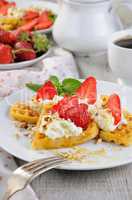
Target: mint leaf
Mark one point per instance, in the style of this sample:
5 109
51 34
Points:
33 86
57 84
55 80
70 85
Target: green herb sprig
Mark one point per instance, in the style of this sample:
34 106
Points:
67 87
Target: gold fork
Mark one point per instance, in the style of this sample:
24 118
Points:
22 176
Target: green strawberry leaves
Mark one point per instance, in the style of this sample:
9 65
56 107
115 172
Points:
41 42
67 87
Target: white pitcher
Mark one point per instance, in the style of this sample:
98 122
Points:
84 26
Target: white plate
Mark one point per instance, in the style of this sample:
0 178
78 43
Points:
115 155
38 3
24 64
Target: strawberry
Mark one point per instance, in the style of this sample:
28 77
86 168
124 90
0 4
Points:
114 105
7 37
24 54
48 84
47 91
43 21
43 25
31 14
64 104
3 3
79 115
69 108
23 44
6 55
71 101
29 25
44 16
88 90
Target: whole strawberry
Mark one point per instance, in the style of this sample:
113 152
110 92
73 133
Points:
24 54
23 44
6 55
7 37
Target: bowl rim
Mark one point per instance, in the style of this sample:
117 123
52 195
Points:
25 64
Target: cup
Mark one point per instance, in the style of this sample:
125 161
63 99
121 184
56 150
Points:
120 56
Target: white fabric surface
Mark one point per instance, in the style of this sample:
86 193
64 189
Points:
61 64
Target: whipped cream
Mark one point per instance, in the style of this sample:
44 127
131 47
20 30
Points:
103 117
55 127
55 100
37 105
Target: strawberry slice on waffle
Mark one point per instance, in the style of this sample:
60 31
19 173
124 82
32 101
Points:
47 91
79 115
114 105
69 108
88 90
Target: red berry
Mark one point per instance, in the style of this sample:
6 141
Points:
88 90
23 44
29 26
24 54
31 14
79 115
48 84
114 106
6 56
64 104
47 91
7 37
71 101
69 108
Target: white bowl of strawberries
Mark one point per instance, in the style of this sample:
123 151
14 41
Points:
22 49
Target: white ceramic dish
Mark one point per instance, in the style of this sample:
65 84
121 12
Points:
115 155
24 64
40 4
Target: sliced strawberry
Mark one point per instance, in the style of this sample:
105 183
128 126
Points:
4 10
59 105
69 108
24 54
7 37
114 106
29 26
79 115
23 44
31 14
44 16
43 25
88 90
64 104
73 101
44 21
3 3
6 55
48 84
47 91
